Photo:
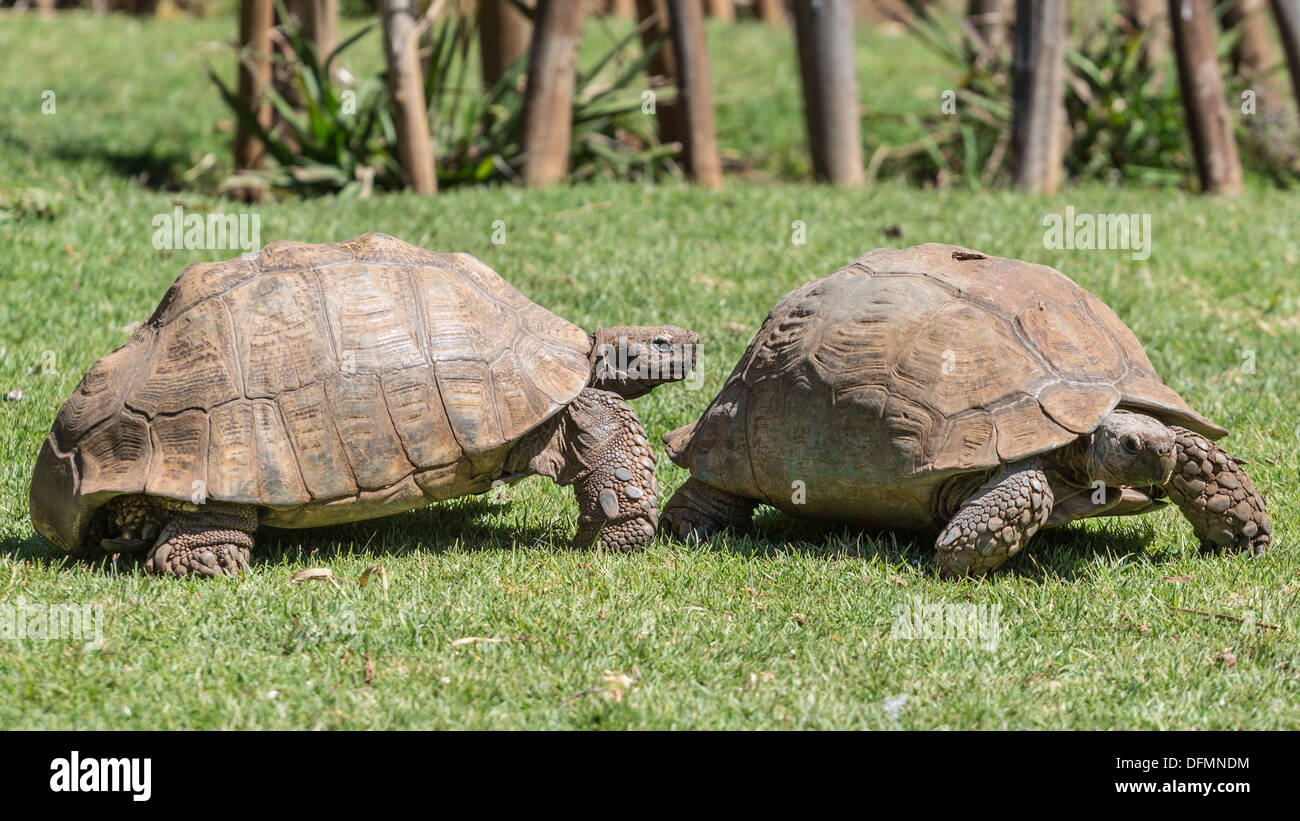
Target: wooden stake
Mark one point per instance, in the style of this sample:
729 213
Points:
989 18
321 25
548 100
771 11
621 8
1255 61
1287 14
1150 17
652 16
1252 54
721 9
824 33
1038 89
503 38
406 87
695 90
255 18
683 59
1206 107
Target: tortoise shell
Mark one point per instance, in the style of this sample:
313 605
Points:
325 383
871 385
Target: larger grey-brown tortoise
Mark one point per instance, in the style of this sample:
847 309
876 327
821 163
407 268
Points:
938 388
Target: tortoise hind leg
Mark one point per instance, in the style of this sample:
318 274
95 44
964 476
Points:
700 511
208 542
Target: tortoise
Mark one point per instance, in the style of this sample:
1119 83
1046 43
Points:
315 384
937 388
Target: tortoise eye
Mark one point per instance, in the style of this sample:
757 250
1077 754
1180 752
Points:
1131 443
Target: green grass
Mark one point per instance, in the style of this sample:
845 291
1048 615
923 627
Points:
787 626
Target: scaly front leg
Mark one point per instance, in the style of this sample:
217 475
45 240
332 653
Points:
1217 497
995 522
613 472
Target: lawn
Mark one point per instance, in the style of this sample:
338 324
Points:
790 625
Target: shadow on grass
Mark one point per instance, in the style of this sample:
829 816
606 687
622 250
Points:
461 524
470 523
150 168
476 523
29 547
153 168
1063 552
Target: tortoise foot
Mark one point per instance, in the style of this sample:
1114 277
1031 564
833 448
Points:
205 560
133 523
1210 488
204 544
626 536
700 511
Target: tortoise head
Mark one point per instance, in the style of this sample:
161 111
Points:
1131 449
632 360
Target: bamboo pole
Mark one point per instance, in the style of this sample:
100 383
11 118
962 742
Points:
1206 107
406 88
548 100
1287 15
255 19
695 91
1038 91
503 38
824 34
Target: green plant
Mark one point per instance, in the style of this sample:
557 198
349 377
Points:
969 139
340 139
1124 109
335 139
1122 106
478 135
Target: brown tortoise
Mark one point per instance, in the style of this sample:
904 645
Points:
315 384
939 388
